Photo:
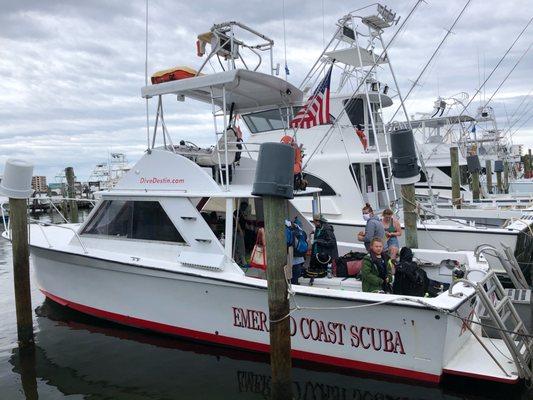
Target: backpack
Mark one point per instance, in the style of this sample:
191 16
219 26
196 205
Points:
410 280
300 244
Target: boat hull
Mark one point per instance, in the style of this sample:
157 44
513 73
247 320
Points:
406 341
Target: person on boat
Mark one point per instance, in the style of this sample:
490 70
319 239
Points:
409 278
293 235
324 249
392 231
299 182
374 227
376 273
362 137
239 227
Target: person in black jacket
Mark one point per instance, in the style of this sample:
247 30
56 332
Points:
324 241
409 278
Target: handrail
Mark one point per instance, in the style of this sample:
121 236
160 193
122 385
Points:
6 225
63 227
465 281
51 199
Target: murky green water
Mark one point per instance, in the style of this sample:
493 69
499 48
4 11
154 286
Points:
79 357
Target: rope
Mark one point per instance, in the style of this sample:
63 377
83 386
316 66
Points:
297 307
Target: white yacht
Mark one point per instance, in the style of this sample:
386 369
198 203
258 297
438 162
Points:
146 257
350 175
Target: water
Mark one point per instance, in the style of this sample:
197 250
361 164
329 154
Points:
80 357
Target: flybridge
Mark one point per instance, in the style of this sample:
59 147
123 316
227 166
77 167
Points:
237 89
246 90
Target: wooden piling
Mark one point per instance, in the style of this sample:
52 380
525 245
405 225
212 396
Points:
456 177
21 269
499 184
530 163
73 205
475 185
488 173
506 176
410 215
275 212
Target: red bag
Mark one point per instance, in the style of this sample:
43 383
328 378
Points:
354 267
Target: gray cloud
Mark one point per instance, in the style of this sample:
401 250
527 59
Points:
72 71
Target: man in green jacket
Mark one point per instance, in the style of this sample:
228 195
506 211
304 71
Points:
377 270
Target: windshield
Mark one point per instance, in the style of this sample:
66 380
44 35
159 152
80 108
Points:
269 120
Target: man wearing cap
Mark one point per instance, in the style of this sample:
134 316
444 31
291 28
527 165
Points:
324 241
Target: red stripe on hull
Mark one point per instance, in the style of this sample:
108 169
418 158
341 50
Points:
244 344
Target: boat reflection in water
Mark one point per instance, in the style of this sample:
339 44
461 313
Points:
81 355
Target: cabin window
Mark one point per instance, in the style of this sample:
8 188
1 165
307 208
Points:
381 184
314 181
354 110
269 120
128 219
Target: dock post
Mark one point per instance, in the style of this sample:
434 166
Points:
275 211
21 268
488 173
274 182
530 163
506 176
17 186
526 161
456 177
71 193
499 184
409 215
406 173
475 185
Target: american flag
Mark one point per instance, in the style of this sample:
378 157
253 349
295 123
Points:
316 109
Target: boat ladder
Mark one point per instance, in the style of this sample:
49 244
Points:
495 305
508 261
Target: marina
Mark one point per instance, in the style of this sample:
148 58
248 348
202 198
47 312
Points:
317 236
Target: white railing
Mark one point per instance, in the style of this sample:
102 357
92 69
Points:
42 223
7 225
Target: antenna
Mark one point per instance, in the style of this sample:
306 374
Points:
146 81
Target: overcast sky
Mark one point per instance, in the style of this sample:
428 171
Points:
72 71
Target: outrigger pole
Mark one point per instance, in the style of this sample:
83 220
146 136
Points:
415 83
495 67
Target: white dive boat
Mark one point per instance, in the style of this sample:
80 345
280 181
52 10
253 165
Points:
147 256
349 176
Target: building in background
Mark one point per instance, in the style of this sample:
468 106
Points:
38 183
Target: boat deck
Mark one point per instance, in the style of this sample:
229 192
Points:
473 361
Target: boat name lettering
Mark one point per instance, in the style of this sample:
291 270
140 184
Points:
155 180
363 337
317 330
250 319
377 339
